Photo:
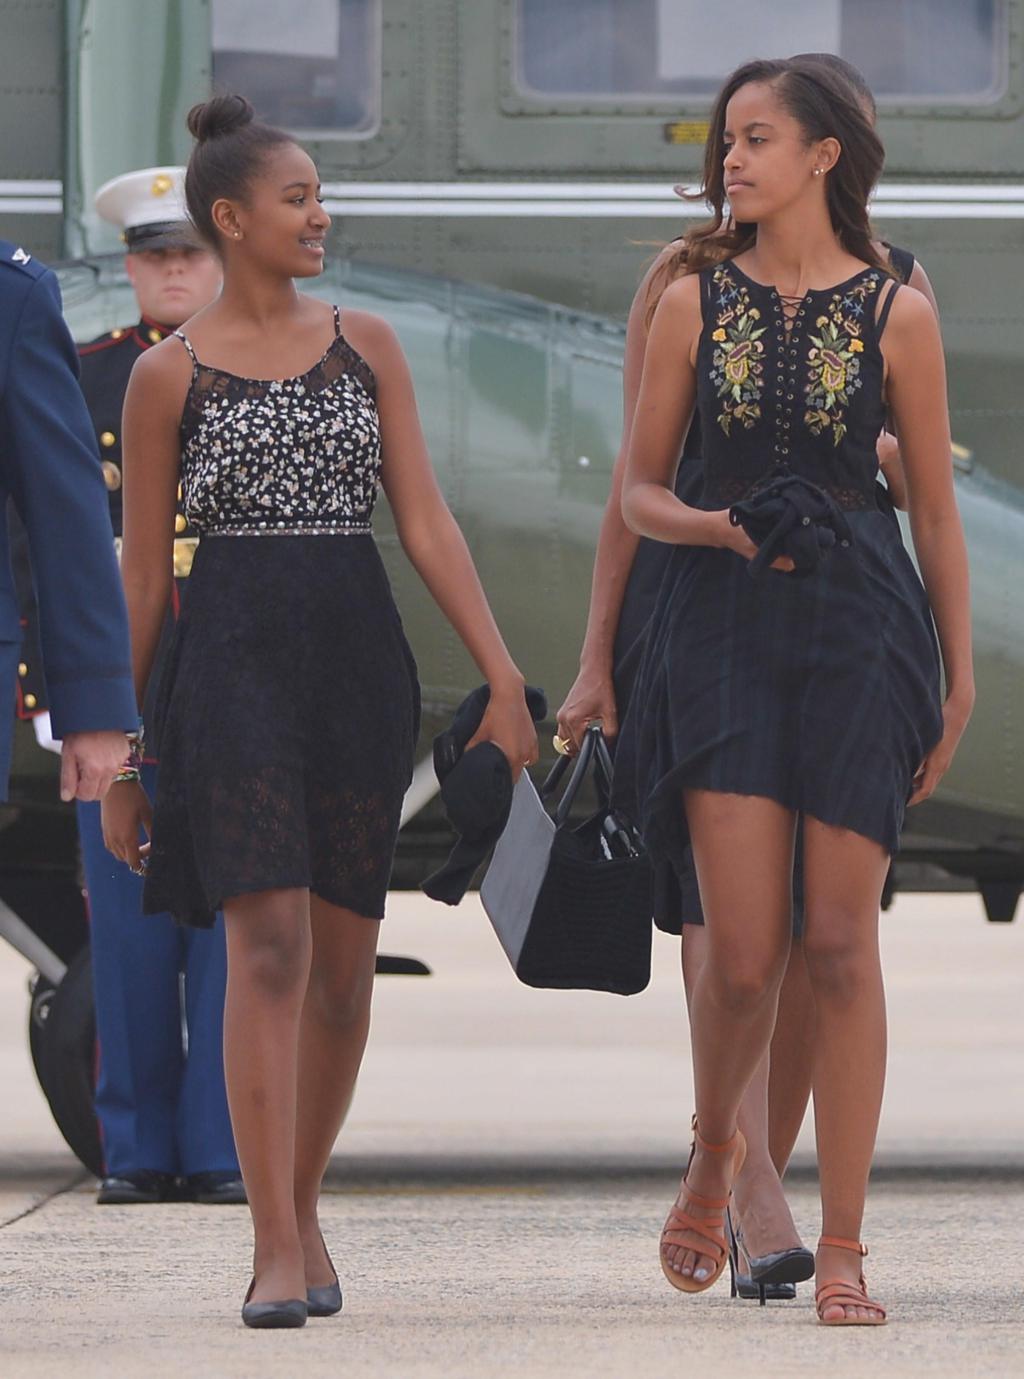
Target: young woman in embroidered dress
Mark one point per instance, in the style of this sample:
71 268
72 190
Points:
768 1259
290 707
761 704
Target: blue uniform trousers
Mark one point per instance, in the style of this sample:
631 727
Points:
160 1097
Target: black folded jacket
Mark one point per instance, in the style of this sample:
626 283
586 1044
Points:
791 516
476 789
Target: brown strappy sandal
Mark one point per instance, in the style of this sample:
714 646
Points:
838 1292
709 1228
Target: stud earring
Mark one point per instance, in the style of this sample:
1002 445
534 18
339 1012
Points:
817 172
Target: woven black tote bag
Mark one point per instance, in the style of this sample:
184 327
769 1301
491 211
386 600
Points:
572 904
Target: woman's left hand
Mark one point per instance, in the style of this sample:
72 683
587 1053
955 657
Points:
955 716
508 724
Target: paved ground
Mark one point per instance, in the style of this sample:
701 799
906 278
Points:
495 1201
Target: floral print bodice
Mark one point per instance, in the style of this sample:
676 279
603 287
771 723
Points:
294 456
791 386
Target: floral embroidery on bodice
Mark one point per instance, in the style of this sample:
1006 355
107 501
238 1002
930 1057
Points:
737 365
290 456
790 386
833 364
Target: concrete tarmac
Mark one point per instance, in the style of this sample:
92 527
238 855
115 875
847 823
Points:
494 1202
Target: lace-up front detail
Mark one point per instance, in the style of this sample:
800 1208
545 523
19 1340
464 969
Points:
296 456
783 380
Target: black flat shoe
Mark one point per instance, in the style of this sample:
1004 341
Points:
325 1300
266 1316
215 1189
772 1277
144 1188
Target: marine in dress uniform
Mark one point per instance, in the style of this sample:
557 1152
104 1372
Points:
160 1096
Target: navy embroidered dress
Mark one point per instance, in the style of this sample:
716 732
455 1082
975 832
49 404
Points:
820 693
289 707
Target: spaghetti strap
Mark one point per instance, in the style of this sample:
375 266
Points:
706 292
337 322
886 307
188 345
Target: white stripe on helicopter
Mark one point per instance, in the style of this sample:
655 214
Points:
619 200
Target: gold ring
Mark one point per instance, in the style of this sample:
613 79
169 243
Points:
562 745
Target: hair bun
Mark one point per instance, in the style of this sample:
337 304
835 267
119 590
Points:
218 116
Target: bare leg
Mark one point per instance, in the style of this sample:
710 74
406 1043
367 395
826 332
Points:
844 877
760 1203
743 849
269 946
335 1023
792 1059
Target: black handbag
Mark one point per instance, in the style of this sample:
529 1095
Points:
572 904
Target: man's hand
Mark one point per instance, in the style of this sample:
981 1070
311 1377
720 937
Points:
89 762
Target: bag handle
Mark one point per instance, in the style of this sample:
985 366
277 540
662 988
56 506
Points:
593 749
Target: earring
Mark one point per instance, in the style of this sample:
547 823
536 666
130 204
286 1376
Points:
817 172
238 234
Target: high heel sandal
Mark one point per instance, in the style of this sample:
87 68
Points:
772 1277
267 1315
710 1228
838 1292
325 1299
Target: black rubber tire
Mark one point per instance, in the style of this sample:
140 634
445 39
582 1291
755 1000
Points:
62 1037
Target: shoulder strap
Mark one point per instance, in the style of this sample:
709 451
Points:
337 321
886 307
707 284
188 345
901 261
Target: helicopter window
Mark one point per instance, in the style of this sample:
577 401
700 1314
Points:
644 50
311 65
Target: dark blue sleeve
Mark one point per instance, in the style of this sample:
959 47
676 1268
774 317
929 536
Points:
57 486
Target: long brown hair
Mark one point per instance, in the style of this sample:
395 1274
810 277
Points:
825 106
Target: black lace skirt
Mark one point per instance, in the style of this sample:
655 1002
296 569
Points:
287 717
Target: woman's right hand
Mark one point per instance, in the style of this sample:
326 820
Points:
125 811
736 539
592 697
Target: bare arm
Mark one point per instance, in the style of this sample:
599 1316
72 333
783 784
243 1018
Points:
663 411
916 387
592 695
152 459
432 540
152 462
617 545
888 445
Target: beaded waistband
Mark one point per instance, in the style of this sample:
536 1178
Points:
288 529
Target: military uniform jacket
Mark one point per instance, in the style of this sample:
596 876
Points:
49 467
106 365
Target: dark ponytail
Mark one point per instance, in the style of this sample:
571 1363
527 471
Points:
231 145
825 105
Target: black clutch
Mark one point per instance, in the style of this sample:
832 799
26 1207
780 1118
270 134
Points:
572 904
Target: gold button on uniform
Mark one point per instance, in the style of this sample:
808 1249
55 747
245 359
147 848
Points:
30 701
111 475
180 523
22 668
155 337
107 439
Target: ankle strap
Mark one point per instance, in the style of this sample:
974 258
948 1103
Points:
837 1243
730 1143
